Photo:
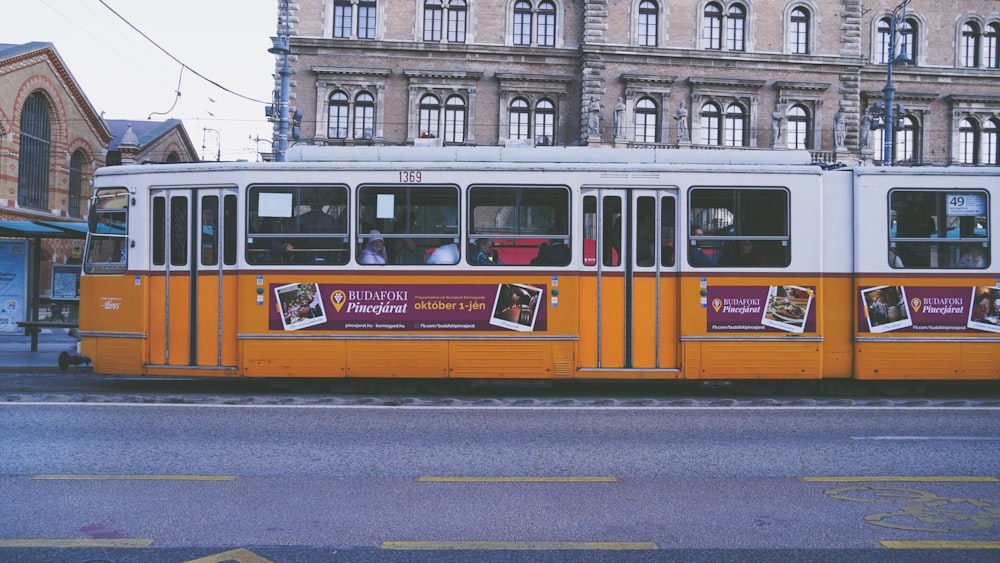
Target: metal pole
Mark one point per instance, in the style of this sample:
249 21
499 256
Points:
281 48
889 92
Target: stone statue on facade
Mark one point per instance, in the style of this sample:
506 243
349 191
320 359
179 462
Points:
680 117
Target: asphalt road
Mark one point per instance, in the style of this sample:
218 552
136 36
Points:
336 482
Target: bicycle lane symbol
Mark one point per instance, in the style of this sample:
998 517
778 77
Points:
922 511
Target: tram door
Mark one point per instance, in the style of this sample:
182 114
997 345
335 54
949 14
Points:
192 304
629 311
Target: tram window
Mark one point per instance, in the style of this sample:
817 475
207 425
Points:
209 230
413 221
739 227
297 224
528 225
178 230
229 229
107 242
944 229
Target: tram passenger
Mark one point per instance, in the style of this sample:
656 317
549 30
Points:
973 257
447 253
374 251
698 256
485 254
750 257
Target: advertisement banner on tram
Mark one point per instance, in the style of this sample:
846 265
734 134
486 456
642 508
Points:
323 306
896 308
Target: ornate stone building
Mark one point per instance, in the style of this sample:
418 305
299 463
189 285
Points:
755 74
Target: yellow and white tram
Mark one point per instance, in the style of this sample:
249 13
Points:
610 264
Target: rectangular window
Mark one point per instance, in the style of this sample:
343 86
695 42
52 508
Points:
739 227
209 231
342 19
522 28
456 26
432 22
945 229
547 30
528 225
297 225
418 225
366 19
107 238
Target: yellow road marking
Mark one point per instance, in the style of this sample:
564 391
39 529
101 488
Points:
240 555
518 479
909 479
516 545
122 543
135 477
931 544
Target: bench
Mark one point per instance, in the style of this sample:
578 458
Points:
34 327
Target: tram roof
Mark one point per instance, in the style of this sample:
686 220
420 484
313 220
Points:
566 155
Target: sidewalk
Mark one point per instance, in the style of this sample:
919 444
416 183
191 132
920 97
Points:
16 354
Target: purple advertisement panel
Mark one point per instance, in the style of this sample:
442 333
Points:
896 308
774 308
407 308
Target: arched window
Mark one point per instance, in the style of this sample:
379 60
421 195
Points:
908 40
433 15
969 55
454 120
364 116
457 11
736 21
520 114
522 23
545 122
76 163
36 145
711 124
991 47
968 141
430 116
736 125
547 24
339 111
883 40
711 27
798 32
646 123
798 129
648 18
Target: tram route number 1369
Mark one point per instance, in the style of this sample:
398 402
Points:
409 176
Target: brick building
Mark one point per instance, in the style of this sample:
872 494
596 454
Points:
52 140
754 74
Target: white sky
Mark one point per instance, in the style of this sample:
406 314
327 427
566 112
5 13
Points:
127 77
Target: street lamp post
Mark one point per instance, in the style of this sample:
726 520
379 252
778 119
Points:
281 47
889 92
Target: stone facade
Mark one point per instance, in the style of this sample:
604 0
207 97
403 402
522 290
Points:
755 74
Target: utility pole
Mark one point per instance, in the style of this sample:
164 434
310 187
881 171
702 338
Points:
281 47
889 92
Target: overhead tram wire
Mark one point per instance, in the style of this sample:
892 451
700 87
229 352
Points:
180 62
